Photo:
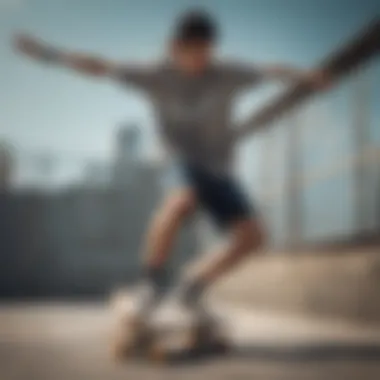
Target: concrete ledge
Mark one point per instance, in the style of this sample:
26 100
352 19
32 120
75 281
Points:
329 285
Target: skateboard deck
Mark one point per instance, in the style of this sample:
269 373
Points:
171 335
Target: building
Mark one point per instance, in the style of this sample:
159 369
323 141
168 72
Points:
127 155
84 239
6 166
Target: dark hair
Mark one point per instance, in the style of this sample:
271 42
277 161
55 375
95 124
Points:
194 26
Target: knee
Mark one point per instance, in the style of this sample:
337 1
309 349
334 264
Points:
258 240
251 238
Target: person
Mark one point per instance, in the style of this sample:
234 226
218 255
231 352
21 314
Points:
192 92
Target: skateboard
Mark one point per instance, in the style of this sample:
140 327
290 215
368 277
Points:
165 339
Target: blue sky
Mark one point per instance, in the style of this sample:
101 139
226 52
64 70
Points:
53 109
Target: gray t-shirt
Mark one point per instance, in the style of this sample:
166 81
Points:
194 114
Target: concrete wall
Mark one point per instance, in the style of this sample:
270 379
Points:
78 242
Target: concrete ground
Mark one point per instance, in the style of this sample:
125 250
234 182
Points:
69 341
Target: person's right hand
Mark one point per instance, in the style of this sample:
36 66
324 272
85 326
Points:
29 46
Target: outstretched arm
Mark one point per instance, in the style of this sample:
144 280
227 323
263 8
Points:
81 63
244 76
314 78
140 76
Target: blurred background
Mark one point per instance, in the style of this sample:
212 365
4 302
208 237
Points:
81 167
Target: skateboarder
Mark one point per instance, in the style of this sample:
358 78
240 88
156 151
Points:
192 92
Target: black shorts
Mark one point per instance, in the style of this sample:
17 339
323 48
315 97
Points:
219 195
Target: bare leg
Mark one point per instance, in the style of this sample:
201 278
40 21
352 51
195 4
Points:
247 237
165 226
160 238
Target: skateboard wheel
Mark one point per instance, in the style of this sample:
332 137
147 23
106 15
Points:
157 354
131 338
207 337
221 345
120 352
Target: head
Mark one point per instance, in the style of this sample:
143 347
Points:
193 42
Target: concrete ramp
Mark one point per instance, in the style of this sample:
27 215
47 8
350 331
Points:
340 285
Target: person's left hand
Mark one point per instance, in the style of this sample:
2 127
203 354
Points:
320 80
